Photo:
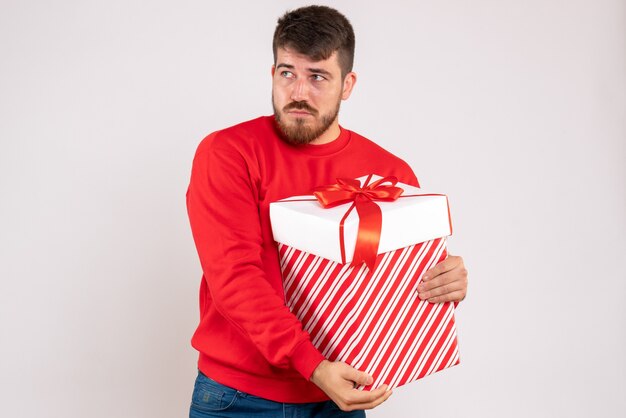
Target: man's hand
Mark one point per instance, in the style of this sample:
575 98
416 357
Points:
446 282
338 380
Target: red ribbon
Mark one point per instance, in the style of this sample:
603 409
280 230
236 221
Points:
370 215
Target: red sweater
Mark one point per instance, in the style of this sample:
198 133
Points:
247 338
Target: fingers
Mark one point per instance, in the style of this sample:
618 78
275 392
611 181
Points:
445 287
444 283
456 296
375 403
446 265
358 399
358 377
445 293
354 399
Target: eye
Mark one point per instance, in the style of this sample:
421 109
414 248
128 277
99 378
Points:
317 77
287 74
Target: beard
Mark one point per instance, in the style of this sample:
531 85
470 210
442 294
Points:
302 131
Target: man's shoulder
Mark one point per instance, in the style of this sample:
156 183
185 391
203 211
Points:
363 141
372 147
239 135
385 162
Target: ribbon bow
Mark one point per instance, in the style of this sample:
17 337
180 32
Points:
370 215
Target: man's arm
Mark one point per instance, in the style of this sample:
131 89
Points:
223 211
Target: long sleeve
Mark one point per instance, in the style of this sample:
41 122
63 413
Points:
223 208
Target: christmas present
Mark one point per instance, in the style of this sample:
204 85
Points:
351 259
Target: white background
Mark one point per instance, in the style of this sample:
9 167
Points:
516 109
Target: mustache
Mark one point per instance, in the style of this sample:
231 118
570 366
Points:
300 106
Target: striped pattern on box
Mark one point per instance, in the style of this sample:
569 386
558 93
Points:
373 321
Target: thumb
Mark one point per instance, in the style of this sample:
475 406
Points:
360 378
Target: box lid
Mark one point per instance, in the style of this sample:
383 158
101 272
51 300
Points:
416 216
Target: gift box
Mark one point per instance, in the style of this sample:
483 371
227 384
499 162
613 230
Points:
351 270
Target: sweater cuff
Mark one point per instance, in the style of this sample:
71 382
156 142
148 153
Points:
305 358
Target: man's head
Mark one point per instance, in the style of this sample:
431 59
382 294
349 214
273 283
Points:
316 32
313 55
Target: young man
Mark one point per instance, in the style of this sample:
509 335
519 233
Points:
255 359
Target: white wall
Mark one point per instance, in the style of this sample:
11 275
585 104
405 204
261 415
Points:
516 109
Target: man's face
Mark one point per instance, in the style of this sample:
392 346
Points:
306 96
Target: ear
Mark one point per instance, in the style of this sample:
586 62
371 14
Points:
273 69
348 84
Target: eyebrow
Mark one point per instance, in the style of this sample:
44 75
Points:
319 71
311 70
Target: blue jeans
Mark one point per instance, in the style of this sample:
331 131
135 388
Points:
211 399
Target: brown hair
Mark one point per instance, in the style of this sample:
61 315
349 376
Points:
317 32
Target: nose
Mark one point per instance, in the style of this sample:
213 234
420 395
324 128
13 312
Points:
299 91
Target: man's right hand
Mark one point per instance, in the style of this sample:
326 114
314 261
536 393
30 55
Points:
338 380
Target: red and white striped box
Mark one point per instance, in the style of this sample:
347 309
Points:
372 320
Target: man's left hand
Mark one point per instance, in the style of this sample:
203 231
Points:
446 282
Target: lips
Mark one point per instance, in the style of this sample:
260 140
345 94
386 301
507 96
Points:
299 113
299 109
